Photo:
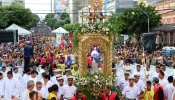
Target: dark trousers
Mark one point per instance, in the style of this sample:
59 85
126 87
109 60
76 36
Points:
26 63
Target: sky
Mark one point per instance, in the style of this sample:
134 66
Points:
39 6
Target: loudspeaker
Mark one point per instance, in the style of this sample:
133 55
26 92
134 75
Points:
8 36
149 42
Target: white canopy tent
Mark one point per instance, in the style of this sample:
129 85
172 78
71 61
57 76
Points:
21 31
59 32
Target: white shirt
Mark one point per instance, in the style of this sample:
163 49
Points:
155 74
142 74
163 82
149 73
123 83
11 88
40 73
17 76
47 86
169 89
140 85
131 92
69 91
53 80
4 73
65 79
60 91
25 95
1 87
42 92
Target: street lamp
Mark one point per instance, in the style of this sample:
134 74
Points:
145 14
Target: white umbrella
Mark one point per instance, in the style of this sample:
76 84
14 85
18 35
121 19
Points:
60 30
21 31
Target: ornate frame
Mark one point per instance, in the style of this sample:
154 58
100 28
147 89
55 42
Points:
104 41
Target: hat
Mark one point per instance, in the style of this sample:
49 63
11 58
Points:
60 78
68 69
126 73
137 74
27 42
70 77
57 70
113 68
131 77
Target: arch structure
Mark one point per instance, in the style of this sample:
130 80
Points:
105 42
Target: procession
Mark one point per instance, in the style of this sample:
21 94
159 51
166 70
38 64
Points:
105 57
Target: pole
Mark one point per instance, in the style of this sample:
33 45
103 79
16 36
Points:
148 24
82 16
51 5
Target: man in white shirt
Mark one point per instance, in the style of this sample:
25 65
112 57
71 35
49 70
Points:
40 89
16 74
123 82
142 74
4 72
11 87
1 86
156 73
60 85
43 69
53 78
30 87
130 92
148 73
162 80
66 76
69 90
47 84
169 89
138 83
34 76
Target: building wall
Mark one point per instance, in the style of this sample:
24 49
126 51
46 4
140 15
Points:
165 8
74 7
9 2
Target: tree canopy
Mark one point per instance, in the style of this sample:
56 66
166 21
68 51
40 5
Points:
17 14
134 22
53 23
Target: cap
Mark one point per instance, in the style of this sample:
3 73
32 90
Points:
137 74
60 78
113 68
57 70
126 73
131 77
68 69
70 77
27 42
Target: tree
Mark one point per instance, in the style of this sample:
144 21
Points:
68 27
34 22
59 23
48 16
134 22
15 13
51 22
64 16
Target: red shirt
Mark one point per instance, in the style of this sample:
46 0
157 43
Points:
159 92
89 60
75 98
43 61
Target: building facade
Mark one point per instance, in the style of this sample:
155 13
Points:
74 7
9 2
123 4
166 9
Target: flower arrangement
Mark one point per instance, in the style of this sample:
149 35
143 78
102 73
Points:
105 29
93 85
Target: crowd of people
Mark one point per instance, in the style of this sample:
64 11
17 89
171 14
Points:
35 69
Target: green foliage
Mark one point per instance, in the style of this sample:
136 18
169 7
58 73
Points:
134 22
59 23
93 85
53 23
64 16
15 13
105 29
68 27
34 22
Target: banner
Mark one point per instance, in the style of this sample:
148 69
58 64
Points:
60 6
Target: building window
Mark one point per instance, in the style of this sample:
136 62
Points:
21 2
165 38
171 38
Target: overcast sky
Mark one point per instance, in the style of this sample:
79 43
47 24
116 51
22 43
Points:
39 6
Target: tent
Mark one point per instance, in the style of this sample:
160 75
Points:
60 30
21 31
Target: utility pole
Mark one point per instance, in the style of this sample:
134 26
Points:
51 5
